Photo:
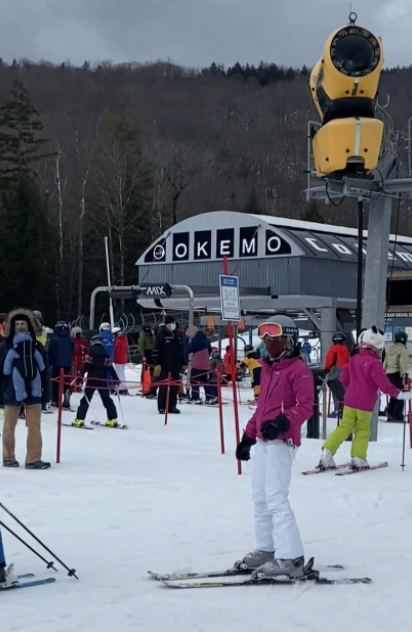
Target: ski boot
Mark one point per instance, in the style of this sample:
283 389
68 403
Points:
253 560
174 411
211 402
276 569
7 577
111 423
79 423
326 460
359 464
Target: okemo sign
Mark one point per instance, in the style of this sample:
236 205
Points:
204 245
261 241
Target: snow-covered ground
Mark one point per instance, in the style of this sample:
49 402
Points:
163 498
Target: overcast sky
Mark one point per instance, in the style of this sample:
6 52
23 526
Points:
194 32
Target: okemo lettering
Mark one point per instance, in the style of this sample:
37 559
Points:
248 241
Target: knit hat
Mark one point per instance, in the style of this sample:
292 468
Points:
169 319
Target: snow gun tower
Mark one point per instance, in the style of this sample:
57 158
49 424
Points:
352 153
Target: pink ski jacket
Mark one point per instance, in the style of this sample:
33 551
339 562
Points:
362 378
286 387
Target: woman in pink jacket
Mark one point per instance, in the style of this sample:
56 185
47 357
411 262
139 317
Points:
362 378
285 402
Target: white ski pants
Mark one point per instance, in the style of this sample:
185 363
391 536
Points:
120 370
275 524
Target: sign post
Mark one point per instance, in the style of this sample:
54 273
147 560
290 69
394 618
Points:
230 303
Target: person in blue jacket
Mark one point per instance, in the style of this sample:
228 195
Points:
61 352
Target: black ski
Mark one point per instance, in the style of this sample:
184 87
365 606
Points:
230 572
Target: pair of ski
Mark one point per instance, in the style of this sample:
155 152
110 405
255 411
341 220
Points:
345 469
97 423
25 581
311 575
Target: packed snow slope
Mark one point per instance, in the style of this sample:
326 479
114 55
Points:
162 498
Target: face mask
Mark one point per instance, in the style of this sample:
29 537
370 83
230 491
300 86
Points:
276 347
23 328
173 327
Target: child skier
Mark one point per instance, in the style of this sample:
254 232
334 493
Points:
361 378
285 402
252 362
97 365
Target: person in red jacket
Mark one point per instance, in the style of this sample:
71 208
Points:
339 356
121 351
80 350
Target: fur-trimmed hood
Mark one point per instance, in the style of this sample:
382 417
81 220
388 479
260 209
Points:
12 316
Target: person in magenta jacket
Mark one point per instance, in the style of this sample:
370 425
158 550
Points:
362 379
285 402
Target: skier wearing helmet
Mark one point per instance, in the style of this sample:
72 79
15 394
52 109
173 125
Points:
285 402
396 367
362 378
105 333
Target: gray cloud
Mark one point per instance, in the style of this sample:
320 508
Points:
193 32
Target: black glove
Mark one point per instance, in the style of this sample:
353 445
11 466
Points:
244 447
272 428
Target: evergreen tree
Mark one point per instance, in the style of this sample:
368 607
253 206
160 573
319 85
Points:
26 247
20 143
26 241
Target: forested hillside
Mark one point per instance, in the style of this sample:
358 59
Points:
126 151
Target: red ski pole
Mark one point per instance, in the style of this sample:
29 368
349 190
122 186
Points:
168 396
219 399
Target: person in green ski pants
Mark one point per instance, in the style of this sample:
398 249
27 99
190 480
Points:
362 378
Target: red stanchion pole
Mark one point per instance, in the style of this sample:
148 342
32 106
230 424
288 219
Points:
233 370
169 377
410 422
59 416
219 399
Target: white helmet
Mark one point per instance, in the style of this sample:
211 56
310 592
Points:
372 339
105 327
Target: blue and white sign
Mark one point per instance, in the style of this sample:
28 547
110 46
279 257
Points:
229 297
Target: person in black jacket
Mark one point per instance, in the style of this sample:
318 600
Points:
61 352
100 373
24 379
168 357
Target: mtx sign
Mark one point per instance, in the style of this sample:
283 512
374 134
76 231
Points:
156 290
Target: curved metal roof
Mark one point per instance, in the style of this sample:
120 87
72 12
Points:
244 236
